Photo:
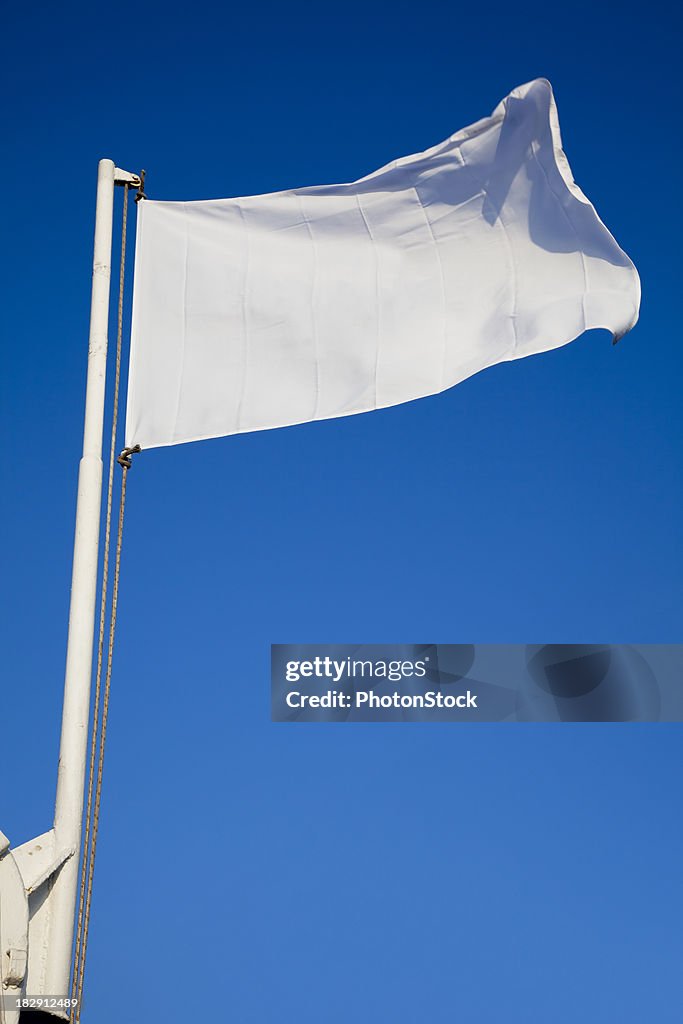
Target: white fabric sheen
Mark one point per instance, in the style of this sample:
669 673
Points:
320 302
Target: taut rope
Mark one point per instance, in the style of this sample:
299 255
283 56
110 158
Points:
101 700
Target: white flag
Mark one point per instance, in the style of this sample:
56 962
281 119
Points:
319 302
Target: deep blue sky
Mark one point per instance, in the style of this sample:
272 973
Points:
416 874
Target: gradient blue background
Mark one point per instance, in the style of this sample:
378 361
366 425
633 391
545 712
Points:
320 874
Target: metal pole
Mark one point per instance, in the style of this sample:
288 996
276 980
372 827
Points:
75 715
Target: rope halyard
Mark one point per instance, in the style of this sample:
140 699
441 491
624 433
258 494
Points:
101 698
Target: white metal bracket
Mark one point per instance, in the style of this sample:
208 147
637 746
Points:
39 859
126 178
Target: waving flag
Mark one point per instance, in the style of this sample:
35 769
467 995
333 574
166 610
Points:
319 302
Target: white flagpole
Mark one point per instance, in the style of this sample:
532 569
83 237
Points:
76 709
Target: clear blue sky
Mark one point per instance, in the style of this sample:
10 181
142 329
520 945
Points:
417 874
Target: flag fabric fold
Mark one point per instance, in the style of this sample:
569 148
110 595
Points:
319 302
